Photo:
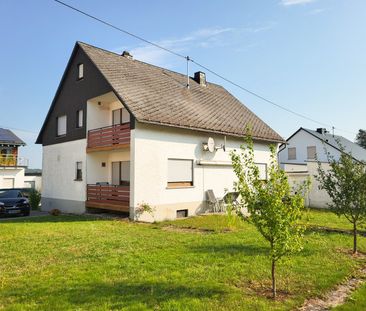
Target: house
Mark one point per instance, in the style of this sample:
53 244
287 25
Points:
299 155
33 178
121 133
12 166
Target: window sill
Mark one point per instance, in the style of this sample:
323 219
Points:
180 187
78 180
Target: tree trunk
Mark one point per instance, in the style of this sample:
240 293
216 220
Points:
274 289
354 238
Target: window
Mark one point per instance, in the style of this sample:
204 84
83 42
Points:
79 171
182 213
61 125
79 118
180 173
262 170
120 116
121 173
291 153
311 152
80 71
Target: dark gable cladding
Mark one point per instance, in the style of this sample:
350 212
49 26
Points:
71 96
152 95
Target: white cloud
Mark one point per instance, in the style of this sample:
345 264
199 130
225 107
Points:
202 38
316 12
295 2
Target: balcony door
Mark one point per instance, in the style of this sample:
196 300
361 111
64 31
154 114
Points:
120 116
121 173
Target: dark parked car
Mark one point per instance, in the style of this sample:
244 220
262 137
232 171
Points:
13 202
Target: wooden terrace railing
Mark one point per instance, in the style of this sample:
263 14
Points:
108 197
108 137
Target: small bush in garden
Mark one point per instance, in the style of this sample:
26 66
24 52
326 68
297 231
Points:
144 208
55 212
34 199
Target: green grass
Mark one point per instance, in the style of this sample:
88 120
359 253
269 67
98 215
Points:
325 218
357 301
79 263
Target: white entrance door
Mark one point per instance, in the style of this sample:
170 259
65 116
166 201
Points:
8 183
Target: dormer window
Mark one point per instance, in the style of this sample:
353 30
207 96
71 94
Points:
80 71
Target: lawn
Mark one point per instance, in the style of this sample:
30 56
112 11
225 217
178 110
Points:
357 302
200 263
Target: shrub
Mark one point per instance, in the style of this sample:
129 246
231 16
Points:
34 199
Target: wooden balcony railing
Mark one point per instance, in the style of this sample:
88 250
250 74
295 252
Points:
108 197
12 161
109 137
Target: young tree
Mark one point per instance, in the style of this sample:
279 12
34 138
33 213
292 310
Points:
361 138
345 183
274 208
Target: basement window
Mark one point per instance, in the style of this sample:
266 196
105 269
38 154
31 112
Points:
180 173
61 125
182 213
80 71
79 171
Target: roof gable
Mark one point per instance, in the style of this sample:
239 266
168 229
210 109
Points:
335 141
160 96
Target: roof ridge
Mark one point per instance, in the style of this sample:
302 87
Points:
145 63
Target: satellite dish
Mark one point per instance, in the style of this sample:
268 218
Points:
211 144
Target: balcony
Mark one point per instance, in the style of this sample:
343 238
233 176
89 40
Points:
109 138
116 198
13 161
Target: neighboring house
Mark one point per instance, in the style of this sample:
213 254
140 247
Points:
299 158
121 133
11 165
33 178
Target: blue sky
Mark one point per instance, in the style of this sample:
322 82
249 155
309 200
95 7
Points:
307 55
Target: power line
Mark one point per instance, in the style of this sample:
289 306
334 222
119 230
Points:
120 29
188 59
17 129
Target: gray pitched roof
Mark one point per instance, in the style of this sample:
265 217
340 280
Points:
8 137
159 96
337 142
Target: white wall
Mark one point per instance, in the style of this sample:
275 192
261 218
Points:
37 180
301 141
59 169
150 150
95 171
101 115
298 174
16 173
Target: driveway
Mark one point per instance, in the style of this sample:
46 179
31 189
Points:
32 214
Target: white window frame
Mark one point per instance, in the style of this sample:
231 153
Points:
79 167
80 71
80 118
292 157
61 124
180 179
263 171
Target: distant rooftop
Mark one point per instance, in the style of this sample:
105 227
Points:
337 142
7 137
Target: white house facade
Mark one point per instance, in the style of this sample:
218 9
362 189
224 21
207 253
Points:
121 134
300 154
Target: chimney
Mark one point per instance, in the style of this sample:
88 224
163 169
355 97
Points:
321 130
200 77
127 55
